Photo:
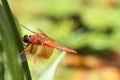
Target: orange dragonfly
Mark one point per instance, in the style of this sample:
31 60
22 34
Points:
41 39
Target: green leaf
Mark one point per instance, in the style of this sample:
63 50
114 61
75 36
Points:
12 45
2 69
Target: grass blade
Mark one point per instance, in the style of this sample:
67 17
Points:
12 44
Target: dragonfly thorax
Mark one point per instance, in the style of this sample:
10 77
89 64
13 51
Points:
36 40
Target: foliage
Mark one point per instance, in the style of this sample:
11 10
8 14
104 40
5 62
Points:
11 45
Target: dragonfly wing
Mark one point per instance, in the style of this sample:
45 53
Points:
31 49
45 52
47 38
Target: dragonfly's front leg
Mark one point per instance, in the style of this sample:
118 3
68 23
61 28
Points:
27 49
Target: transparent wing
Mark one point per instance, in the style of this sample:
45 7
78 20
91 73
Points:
41 33
47 38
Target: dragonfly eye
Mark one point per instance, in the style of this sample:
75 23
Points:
26 39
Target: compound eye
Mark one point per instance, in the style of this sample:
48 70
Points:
26 39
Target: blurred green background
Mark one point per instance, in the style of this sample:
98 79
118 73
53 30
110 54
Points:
91 27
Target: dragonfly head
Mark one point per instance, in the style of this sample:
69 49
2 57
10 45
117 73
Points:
26 38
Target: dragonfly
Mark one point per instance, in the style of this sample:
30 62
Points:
45 42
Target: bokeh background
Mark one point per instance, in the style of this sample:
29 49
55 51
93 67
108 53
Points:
91 27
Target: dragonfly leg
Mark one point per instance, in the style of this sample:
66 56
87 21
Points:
26 50
23 52
31 48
